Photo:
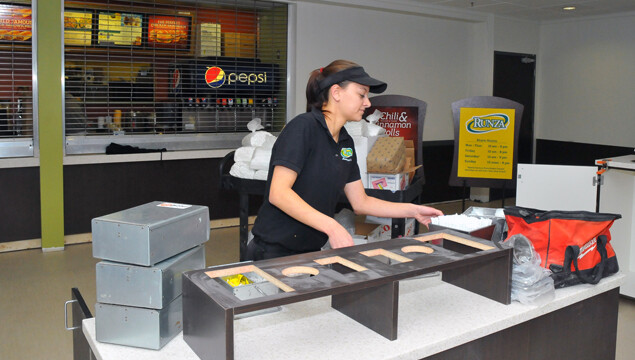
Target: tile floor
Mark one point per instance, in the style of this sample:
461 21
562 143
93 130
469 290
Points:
34 286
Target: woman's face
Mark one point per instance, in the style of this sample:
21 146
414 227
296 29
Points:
353 101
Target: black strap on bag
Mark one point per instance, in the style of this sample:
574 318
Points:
534 215
571 255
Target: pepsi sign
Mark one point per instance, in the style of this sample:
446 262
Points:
215 77
230 78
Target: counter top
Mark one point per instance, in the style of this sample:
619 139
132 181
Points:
433 316
153 156
619 162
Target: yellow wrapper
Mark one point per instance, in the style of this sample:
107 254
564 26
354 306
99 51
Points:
236 280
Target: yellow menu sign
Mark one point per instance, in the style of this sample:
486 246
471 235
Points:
119 29
486 143
78 27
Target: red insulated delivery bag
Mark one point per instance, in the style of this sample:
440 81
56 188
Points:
574 245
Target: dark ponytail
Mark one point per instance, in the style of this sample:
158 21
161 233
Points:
316 97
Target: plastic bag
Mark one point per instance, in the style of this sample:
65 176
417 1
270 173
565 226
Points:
529 273
255 124
244 153
538 293
258 139
241 169
371 129
531 283
346 218
255 137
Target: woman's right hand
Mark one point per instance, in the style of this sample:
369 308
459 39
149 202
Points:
338 236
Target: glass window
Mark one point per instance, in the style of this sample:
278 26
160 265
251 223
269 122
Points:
16 95
172 74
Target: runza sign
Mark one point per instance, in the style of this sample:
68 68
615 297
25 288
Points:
486 143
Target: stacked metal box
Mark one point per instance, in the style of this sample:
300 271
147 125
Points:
145 250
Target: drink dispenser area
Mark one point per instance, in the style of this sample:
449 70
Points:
218 97
225 114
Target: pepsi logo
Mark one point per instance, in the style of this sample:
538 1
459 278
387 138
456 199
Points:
215 77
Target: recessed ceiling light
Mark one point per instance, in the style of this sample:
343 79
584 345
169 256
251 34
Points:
568 8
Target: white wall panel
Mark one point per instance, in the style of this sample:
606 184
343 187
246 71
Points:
423 57
516 36
586 81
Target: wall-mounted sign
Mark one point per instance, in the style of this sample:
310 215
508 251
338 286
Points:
229 78
486 143
122 29
78 28
168 31
15 23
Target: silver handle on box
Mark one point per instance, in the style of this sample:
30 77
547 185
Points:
66 315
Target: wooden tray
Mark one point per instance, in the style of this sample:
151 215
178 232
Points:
362 280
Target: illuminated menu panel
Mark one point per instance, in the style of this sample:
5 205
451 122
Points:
168 31
78 28
15 23
123 29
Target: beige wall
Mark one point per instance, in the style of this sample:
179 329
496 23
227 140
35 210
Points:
425 57
586 81
585 70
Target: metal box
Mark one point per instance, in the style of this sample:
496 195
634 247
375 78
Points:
258 287
139 327
149 287
149 233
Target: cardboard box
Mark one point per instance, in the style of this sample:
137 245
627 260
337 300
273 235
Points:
240 44
208 39
383 230
410 159
377 229
387 156
363 145
393 182
366 232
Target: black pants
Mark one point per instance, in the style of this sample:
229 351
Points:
260 250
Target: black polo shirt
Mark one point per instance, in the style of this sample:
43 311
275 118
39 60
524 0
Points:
324 167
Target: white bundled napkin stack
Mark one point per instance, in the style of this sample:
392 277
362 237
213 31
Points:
251 160
364 134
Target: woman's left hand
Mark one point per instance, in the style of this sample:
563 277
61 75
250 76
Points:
423 214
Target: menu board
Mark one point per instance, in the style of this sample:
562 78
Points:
120 29
78 27
486 143
15 23
168 31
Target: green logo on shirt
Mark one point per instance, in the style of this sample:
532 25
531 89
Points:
346 153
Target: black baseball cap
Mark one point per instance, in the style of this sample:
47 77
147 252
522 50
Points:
354 74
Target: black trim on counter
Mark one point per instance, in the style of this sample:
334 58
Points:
20 204
100 189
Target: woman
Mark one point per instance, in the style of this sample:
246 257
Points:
312 161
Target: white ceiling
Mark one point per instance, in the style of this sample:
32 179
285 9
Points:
538 10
